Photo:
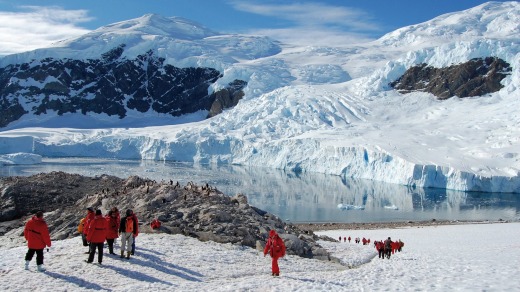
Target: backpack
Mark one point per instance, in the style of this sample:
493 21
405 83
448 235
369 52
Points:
129 226
81 225
388 244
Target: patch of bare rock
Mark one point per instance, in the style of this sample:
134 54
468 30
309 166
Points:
202 212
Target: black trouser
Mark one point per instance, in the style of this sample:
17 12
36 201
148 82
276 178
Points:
84 239
381 253
93 252
39 255
110 243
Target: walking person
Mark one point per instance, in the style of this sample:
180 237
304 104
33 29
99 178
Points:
276 249
97 233
90 216
36 233
127 228
112 231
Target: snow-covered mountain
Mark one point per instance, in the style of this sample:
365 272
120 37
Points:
323 109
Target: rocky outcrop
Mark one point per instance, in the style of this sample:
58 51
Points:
111 84
202 212
476 77
227 97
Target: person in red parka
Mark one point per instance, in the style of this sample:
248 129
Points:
36 233
90 216
97 233
276 248
156 224
112 231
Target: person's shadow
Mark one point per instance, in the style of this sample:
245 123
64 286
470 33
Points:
75 280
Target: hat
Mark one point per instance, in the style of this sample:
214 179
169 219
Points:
90 209
98 212
39 214
129 212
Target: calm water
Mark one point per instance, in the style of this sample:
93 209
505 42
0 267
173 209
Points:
303 197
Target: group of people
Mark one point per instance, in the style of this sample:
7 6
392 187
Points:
356 240
95 229
388 247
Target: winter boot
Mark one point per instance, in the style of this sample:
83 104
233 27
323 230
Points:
27 264
122 254
41 268
128 255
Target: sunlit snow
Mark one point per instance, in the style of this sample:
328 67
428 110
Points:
319 109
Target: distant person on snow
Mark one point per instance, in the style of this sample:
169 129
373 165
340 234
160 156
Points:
97 233
36 233
113 230
276 249
380 247
128 228
401 244
156 224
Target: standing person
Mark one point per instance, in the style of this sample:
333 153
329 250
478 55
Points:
112 231
81 225
128 229
276 248
36 233
116 211
136 232
90 216
97 233
349 239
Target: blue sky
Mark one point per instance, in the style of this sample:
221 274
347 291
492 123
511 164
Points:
29 24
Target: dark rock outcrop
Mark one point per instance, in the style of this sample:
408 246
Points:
111 84
476 77
202 212
227 97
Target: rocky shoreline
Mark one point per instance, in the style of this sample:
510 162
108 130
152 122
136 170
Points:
385 225
202 212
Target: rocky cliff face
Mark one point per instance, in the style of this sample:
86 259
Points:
111 84
476 77
202 212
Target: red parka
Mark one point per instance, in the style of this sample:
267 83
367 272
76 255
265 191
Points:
112 227
97 230
155 224
36 233
274 245
88 219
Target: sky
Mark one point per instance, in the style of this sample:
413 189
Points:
473 257
30 24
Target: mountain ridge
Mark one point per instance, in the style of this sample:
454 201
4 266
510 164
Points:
332 110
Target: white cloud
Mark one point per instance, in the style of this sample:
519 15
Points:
312 22
35 27
315 37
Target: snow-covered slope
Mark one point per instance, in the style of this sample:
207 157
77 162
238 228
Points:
324 109
164 262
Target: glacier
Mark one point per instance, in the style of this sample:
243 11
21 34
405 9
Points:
313 109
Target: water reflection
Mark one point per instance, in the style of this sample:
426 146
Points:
304 197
